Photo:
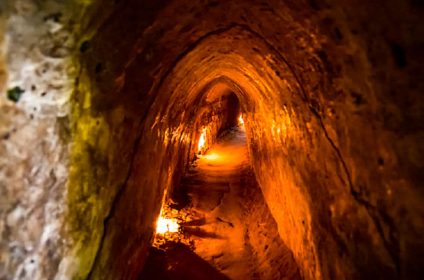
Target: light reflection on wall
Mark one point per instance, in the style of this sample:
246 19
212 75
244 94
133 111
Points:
164 225
240 120
202 140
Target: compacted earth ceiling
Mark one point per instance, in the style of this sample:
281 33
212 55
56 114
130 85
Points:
209 139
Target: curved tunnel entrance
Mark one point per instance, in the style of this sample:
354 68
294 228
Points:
115 113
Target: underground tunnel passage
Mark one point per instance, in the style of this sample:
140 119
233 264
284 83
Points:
211 139
218 204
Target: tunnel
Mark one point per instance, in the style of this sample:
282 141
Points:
276 139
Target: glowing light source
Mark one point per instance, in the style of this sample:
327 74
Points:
164 225
240 120
202 140
211 156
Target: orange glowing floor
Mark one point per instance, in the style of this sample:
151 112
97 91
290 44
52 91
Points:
230 227
217 195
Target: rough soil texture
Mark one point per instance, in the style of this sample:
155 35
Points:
236 232
116 95
230 226
37 75
333 108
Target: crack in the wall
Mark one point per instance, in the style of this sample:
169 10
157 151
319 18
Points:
371 209
115 201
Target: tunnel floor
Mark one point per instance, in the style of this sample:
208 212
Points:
233 235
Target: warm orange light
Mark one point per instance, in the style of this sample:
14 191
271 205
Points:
240 120
165 225
211 156
202 140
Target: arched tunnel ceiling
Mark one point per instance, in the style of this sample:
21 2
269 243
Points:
246 72
330 92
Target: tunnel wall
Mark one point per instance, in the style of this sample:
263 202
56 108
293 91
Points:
333 103
309 76
167 143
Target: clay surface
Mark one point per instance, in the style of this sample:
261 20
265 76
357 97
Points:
102 104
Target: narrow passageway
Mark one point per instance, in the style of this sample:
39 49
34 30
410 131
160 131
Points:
231 227
104 104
